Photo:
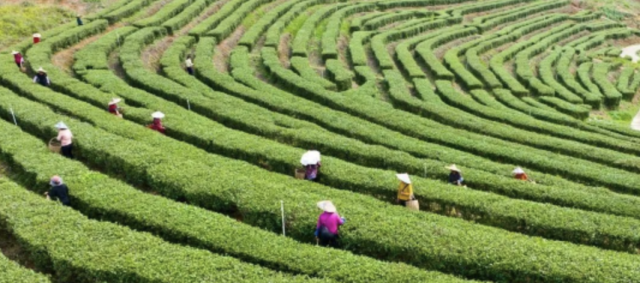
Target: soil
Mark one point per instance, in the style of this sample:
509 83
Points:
224 48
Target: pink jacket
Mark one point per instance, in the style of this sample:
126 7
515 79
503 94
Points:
331 221
64 136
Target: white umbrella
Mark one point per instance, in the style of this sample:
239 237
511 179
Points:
310 157
404 178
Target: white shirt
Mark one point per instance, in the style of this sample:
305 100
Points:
188 63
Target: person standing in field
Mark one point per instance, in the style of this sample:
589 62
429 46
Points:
58 191
65 137
405 189
328 223
79 20
42 78
17 57
189 65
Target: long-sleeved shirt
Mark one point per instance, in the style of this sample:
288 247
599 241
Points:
60 192
455 177
157 126
65 136
188 63
405 191
311 171
331 221
113 108
18 58
522 176
42 79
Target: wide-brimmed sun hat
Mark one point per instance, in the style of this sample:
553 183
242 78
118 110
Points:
327 206
14 52
453 167
55 180
518 170
37 35
61 125
41 70
115 101
157 115
404 177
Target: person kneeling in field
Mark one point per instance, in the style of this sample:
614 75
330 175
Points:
327 229
42 78
113 107
58 191
455 176
157 122
405 189
520 174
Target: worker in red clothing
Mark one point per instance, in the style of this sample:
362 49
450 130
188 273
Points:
520 174
17 57
113 107
157 122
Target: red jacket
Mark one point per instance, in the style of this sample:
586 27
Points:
157 126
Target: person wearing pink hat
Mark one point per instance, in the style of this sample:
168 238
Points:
58 191
327 228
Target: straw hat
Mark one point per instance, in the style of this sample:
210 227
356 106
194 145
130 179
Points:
518 170
41 70
37 35
404 177
14 52
157 115
61 125
115 101
327 206
55 180
453 167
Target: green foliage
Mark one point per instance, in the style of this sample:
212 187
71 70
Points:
20 21
10 272
332 31
227 25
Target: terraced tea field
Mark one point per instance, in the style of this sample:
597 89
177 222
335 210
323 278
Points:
379 87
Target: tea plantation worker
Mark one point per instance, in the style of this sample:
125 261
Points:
58 191
311 162
520 174
113 106
405 189
17 57
328 223
157 122
79 20
189 65
65 137
42 78
455 176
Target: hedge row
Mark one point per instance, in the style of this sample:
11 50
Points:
426 49
482 6
195 8
357 52
96 57
165 13
301 40
77 249
297 85
336 72
274 32
600 77
548 76
302 66
251 36
331 32
405 56
493 20
259 194
229 24
451 59
373 24
361 129
166 218
357 22
127 10
604 36
564 75
11 272
579 111
105 10
215 19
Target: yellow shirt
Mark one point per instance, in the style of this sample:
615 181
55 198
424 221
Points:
405 191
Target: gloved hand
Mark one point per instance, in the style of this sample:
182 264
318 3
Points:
316 233
344 220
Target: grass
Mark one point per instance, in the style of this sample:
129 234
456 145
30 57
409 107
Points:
295 25
23 20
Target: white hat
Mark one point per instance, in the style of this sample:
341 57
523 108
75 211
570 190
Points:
518 170
37 35
61 125
157 115
114 101
41 70
55 180
14 52
327 206
453 167
404 177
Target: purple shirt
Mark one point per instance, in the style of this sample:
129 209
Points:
311 171
331 221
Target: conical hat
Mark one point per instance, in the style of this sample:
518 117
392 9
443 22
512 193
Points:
327 206
518 170
14 52
453 167
55 180
404 177
114 101
61 125
37 35
157 115
41 70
